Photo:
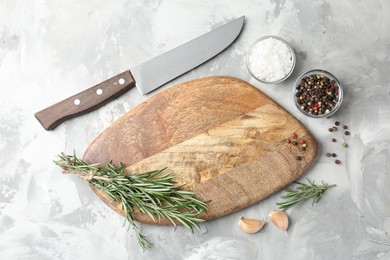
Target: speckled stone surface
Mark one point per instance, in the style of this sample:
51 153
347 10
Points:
50 50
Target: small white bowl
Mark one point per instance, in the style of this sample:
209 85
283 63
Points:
293 57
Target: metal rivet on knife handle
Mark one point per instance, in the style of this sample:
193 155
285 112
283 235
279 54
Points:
85 101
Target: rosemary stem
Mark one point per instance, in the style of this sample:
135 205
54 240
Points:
302 192
153 193
102 178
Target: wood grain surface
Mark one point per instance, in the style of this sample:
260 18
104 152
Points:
220 136
85 101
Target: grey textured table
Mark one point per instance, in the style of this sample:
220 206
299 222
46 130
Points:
50 50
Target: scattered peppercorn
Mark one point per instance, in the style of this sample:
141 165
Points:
334 140
347 133
345 145
337 123
334 155
294 135
294 143
317 95
298 158
334 129
328 154
330 130
337 161
345 127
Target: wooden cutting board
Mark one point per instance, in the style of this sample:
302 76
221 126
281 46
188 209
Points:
220 136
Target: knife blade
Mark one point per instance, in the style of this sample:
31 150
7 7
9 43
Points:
146 77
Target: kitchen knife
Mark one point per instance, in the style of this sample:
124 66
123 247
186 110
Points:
146 76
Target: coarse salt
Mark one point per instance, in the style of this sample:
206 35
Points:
270 60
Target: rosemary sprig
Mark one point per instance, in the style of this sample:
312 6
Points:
303 192
153 193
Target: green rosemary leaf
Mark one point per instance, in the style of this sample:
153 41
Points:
154 193
302 192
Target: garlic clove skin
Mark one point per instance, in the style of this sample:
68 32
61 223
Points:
250 226
279 219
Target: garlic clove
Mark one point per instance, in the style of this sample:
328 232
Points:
279 219
251 226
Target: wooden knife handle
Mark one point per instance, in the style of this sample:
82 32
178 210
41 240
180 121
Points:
85 101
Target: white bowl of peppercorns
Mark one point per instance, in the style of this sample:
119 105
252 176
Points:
317 93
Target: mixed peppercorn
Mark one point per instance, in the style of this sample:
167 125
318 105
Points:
293 140
317 94
301 143
345 145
